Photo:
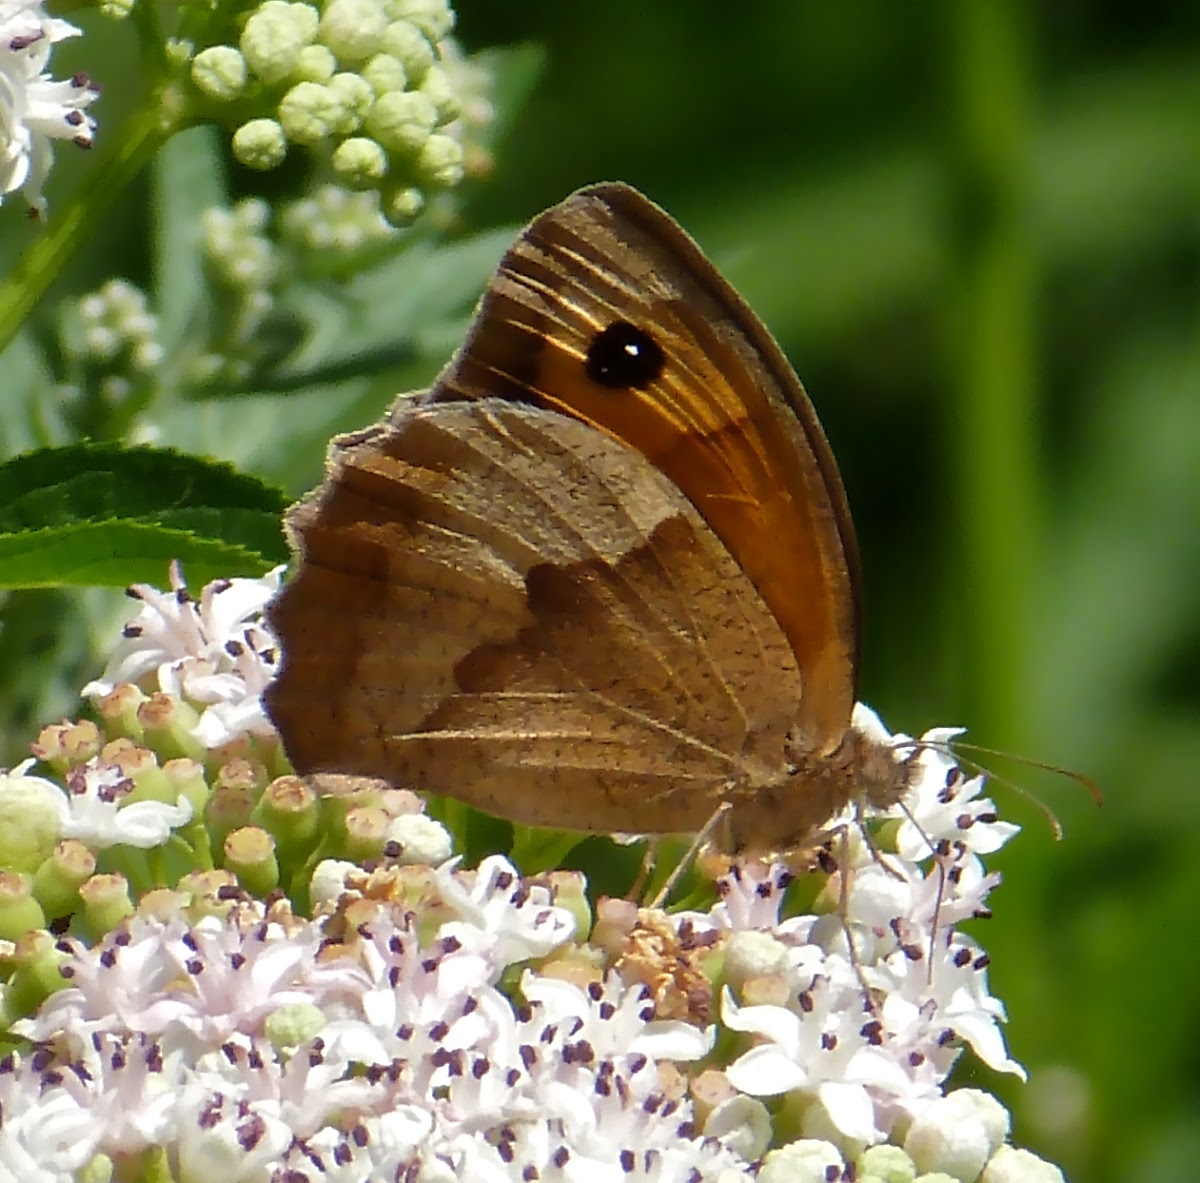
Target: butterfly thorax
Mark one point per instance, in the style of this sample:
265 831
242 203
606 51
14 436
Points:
793 808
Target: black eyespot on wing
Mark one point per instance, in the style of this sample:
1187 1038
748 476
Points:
623 355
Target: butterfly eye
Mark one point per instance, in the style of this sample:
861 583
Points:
623 355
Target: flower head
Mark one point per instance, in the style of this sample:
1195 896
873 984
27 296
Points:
214 653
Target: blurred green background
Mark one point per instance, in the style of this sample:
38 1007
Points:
975 229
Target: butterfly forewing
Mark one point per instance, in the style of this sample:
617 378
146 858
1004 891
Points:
723 416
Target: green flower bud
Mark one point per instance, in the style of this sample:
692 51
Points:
36 963
1012 1165
260 143
118 711
186 779
168 723
353 29
805 1159
752 954
293 1024
219 72
366 832
99 1169
31 811
106 902
433 17
360 162
274 36
357 98
402 121
889 1164
385 73
409 46
404 206
290 812
57 881
440 162
315 63
439 89
250 855
20 913
310 113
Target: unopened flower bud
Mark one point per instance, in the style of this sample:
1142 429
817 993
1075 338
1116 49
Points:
440 162
808 1160
219 72
293 1024
385 73
315 63
402 121
439 90
433 17
356 97
1012 1165
359 162
274 36
353 29
31 811
260 144
310 113
19 910
422 839
404 206
410 47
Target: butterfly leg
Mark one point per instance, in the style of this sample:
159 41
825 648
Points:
718 816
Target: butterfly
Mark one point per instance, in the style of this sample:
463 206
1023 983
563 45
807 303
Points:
602 576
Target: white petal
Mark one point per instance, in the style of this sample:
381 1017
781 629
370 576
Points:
850 1109
765 1072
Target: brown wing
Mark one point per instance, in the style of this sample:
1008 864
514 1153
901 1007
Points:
726 419
504 605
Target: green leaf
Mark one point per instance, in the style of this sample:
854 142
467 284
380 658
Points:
89 514
115 553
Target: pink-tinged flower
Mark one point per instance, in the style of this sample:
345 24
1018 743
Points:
47 1135
520 919
94 810
214 653
35 109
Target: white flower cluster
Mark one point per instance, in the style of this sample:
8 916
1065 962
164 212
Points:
240 1046
35 109
237 1045
214 654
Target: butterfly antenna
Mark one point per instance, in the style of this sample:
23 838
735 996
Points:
1088 785
955 750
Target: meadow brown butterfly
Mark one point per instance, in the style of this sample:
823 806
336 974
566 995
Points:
602 576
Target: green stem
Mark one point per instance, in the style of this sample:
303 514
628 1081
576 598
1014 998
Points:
133 145
996 352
